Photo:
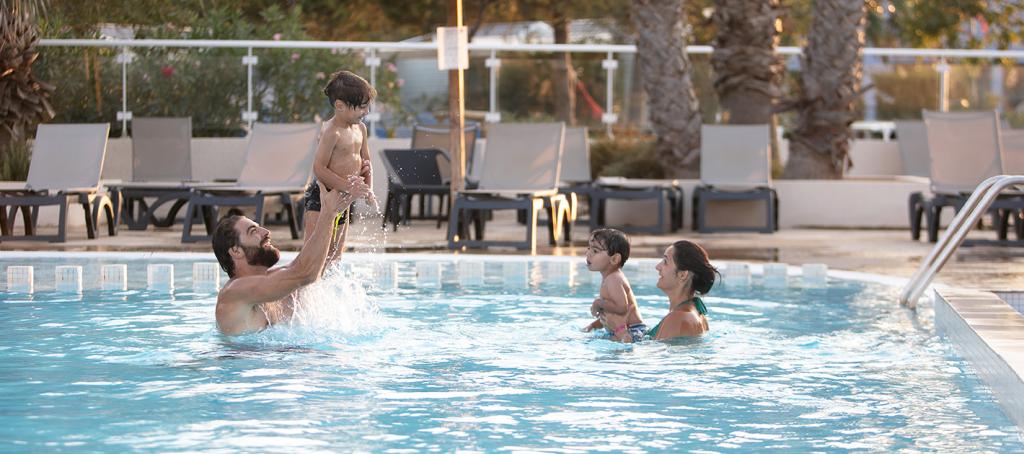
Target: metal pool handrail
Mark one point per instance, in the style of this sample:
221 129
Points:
953 237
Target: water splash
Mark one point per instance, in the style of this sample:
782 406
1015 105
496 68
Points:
369 228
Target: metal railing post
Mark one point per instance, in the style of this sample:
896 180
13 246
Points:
373 62
249 115
124 115
943 69
492 64
609 118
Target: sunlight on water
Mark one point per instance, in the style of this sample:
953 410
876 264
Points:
494 365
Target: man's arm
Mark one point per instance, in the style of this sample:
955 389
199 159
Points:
323 157
306 267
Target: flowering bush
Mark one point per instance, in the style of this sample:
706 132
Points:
207 84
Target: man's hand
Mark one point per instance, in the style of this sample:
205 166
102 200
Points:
336 200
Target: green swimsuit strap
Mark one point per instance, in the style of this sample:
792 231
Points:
701 308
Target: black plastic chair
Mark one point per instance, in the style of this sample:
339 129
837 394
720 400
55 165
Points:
413 172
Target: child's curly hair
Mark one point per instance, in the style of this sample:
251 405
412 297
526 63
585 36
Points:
351 89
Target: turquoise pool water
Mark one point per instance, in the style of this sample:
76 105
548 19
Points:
498 367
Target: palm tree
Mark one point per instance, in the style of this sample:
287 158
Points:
661 54
24 100
747 70
830 85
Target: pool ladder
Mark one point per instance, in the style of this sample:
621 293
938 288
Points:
953 237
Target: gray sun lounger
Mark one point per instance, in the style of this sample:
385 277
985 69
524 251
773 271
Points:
278 164
965 148
521 170
576 178
66 163
161 171
735 164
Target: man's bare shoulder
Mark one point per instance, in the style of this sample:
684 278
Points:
236 289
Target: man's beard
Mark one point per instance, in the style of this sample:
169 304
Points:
262 255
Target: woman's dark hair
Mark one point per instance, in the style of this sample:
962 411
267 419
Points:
691 257
350 89
225 237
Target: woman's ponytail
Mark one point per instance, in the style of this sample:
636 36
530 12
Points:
691 257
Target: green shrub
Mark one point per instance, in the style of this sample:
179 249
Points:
631 157
14 161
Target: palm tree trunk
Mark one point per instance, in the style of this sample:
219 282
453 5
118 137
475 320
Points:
747 70
674 111
830 83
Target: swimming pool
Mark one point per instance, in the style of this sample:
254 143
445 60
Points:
496 366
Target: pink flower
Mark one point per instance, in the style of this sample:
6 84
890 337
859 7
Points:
391 67
320 76
167 71
277 36
334 51
295 56
400 82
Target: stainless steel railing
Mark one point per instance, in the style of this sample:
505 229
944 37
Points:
953 237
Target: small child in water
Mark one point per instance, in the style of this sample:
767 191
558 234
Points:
615 307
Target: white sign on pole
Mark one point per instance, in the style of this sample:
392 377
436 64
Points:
452 48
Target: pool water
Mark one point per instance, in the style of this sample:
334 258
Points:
503 366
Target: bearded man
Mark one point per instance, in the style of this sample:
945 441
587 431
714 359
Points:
257 296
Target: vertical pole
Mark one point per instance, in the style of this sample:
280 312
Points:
609 118
456 112
943 69
248 90
124 92
249 115
493 63
373 61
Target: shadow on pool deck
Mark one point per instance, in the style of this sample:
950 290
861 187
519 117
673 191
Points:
887 252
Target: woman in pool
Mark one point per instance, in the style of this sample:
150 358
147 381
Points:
684 274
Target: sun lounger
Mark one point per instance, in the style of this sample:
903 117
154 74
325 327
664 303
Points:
278 165
667 193
439 136
576 176
965 149
913 144
912 138
412 172
735 165
161 171
66 163
521 170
